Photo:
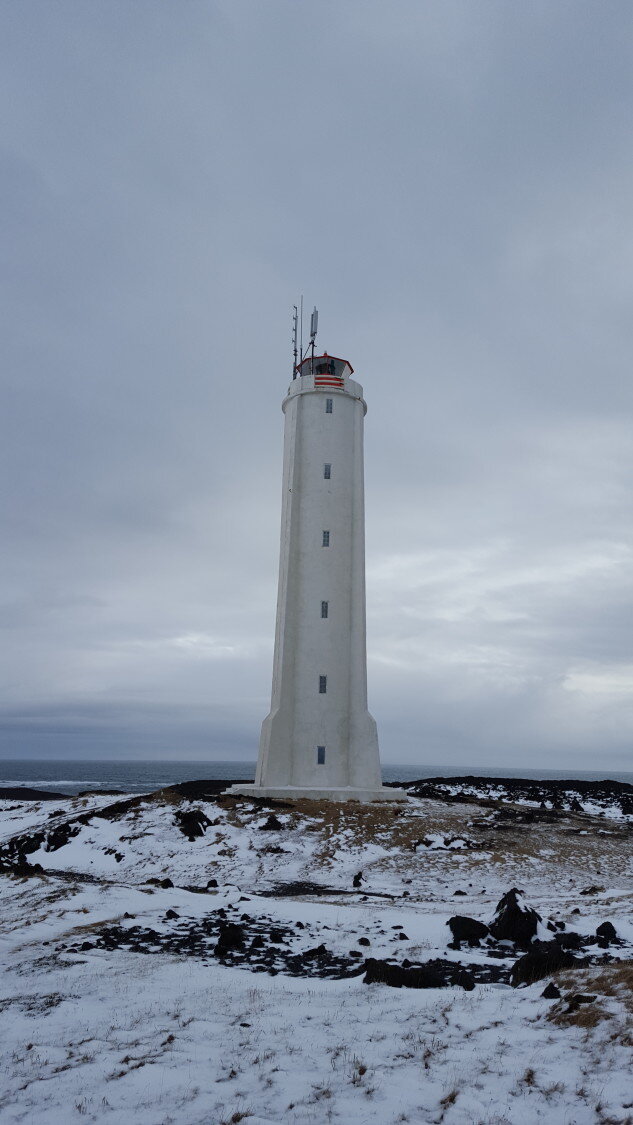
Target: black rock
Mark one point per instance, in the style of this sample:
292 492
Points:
271 825
191 822
458 892
364 941
467 929
513 921
569 940
357 880
433 974
577 999
231 936
607 931
542 961
316 953
171 914
60 836
551 992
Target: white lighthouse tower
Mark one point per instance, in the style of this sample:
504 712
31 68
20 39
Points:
319 740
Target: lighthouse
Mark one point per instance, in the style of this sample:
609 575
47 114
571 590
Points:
319 740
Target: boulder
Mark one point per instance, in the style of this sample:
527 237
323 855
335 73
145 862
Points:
231 936
514 921
551 992
191 822
569 940
271 825
466 929
540 962
607 932
576 1000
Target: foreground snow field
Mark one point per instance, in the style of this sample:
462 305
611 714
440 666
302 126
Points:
101 1024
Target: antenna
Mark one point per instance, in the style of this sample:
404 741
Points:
301 330
314 324
295 318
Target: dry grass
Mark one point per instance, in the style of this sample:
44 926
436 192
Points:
613 981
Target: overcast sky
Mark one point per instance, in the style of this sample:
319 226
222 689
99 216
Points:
451 182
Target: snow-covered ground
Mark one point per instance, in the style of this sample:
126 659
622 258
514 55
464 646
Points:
95 1033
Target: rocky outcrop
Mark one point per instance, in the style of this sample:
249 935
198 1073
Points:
514 921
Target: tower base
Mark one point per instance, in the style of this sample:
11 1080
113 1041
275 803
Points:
296 793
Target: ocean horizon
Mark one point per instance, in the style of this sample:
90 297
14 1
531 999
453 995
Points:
143 776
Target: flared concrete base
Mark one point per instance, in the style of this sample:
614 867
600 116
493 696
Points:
295 793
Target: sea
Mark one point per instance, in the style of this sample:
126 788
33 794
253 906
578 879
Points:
127 776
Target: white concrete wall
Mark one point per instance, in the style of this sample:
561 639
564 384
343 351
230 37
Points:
306 645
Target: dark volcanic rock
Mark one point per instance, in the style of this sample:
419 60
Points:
540 962
577 999
192 822
514 921
467 929
607 931
555 792
22 793
569 940
59 836
432 974
551 992
231 936
271 825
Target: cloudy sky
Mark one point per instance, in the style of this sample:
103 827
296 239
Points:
451 182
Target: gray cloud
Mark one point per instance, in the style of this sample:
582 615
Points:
451 183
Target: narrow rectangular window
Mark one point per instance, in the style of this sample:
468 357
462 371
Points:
328 405
326 538
324 609
322 685
320 755
327 470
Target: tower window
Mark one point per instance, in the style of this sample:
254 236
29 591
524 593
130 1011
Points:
324 609
327 470
326 539
322 685
329 402
320 755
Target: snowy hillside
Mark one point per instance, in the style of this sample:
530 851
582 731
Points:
188 957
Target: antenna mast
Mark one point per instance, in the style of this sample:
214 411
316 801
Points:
314 324
295 318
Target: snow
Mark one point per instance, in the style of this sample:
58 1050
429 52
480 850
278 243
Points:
114 1036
